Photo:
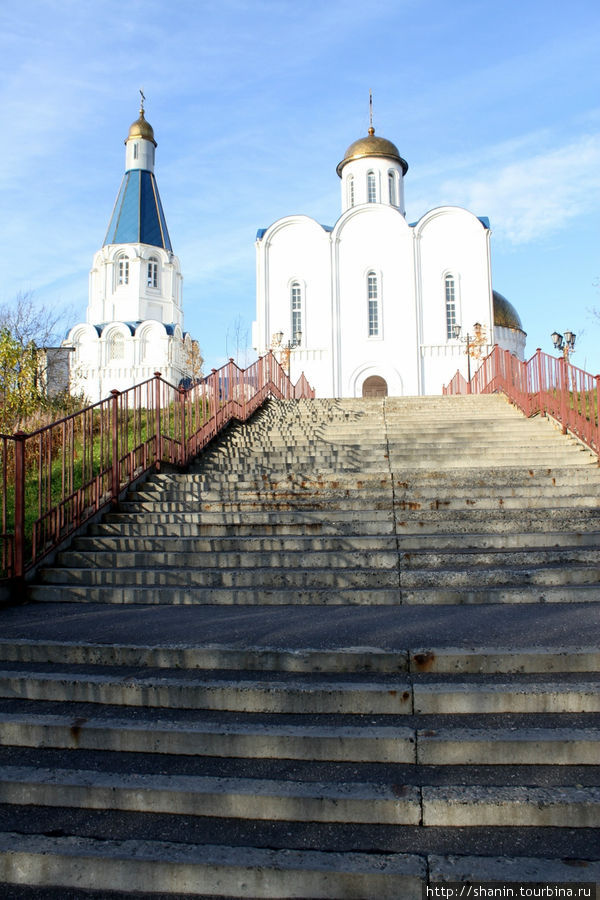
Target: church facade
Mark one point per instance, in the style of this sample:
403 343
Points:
134 320
375 305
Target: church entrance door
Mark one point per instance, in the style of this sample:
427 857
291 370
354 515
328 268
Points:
375 386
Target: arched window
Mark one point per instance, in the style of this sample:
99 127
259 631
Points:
350 186
392 187
371 188
116 347
152 272
372 305
450 292
122 270
145 345
296 309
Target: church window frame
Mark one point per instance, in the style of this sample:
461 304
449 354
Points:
351 191
371 186
392 188
152 272
373 304
121 271
296 308
450 303
116 347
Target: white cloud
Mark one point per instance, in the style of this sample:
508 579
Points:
528 198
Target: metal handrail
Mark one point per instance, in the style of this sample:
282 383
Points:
58 477
543 384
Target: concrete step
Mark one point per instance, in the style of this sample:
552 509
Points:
301 695
228 691
272 800
238 559
221 737
46 592
149 867
233 578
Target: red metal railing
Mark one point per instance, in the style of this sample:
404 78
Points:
56 478
545 384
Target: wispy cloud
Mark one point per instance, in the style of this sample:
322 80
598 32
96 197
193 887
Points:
529 197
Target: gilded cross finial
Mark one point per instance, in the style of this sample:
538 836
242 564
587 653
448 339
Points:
371 129
142 98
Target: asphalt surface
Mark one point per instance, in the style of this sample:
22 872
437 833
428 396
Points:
564 626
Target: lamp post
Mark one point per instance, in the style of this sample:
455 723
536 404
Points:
566 344
474 344
285 349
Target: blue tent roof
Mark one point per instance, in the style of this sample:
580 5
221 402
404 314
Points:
138 216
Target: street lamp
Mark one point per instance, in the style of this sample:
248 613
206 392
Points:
285 349
472 342
565 343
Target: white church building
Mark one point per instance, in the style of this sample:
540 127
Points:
134 321
371 306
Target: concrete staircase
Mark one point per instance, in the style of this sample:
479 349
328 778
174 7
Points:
355 648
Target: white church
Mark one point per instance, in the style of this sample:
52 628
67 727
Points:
134 321
374 305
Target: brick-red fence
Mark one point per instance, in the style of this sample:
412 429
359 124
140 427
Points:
56 478
543 384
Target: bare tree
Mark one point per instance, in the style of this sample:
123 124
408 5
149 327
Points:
236 341
28 321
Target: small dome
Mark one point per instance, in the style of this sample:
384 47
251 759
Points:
141 129
372 146
505 315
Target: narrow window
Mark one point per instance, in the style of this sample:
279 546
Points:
392 187
152 272
116 349
351 190
296 306
123 276
135 150
371 188
450 306
373 304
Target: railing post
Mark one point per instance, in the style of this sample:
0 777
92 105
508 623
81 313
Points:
157 421
230 378
182 417
19 551
598 417
214 381
538 359
564 377
115 447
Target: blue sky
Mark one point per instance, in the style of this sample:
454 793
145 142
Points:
495 106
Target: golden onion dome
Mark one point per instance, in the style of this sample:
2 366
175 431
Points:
141 129
372 146
505 315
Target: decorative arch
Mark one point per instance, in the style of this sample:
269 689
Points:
370 368
121 269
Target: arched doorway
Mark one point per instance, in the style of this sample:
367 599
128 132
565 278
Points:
374 386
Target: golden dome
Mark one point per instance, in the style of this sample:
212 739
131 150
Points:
505 315
372 146
141 129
